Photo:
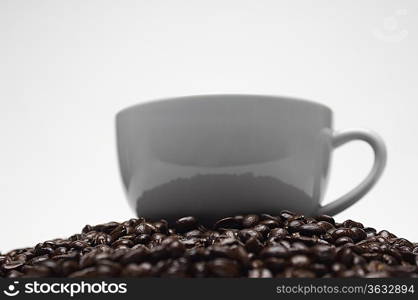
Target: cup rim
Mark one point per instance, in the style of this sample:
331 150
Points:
226 95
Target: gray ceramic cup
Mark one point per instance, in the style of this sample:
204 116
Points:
218 155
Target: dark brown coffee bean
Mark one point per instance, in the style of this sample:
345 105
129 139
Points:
295 225
340 232
253 245
158 237
229 222
300 261
326 218
357 234
222 267
343 240
239 254
280 233
13 265
199 269
135 256
176 249
193 233
246 234
386 234
186 224
122 242
319 269
299 248
285 215
142 239
359 260
372 256
274 251
345 256
351 223
325 225
260 273
275 264
338 267
311 229
270 223
79 245
85 273
102 239
389 259
265 217
250 221
370 232
161 226
87 228
298 273
324 253
145 228
263 229
106 227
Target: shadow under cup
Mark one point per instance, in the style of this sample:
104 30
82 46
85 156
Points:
219 155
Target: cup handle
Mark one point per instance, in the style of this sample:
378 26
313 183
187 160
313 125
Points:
380 154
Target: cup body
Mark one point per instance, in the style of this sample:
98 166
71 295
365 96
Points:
218 155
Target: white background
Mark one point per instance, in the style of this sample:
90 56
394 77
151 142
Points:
66 68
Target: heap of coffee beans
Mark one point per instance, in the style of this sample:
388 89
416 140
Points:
287 245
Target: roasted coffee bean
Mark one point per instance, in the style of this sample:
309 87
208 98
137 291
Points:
260 273
106 227
275 251
135 256
386 234
186 224
250 221
300 261
253 245
325 225
351 223
145 228
199 269
162 226
142 239
357 234
176 249
298 273
275 264
359 260
324 253
270 223
340 232
13 265
222 267
285 215
295 225
261 228
229 222
326 218
343 240
289 245
345 256
370 232
264 217
246 234
299 248
279 233
311 229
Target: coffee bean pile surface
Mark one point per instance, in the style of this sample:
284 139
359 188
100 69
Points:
287 245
